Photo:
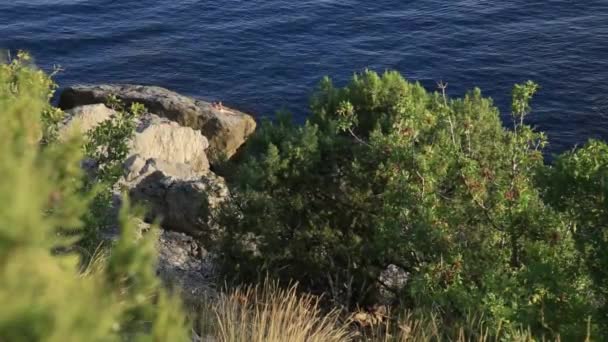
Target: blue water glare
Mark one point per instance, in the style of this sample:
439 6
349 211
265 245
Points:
264 55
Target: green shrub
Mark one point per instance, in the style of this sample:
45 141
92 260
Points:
43 294
384 172
106 147
577 185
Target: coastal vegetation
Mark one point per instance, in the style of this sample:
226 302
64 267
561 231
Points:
392 214
51 288
385 173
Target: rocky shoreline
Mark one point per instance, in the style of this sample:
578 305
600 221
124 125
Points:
168 169
224 127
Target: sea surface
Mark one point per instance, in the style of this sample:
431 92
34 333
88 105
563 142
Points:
264 55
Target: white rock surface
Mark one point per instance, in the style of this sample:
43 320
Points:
167 141
155 138
85 118
226 128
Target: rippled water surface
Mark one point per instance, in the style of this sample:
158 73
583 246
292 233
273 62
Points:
264 55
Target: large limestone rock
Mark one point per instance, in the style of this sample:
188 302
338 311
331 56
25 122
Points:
85 118
169 142
166 170
227 129
155 137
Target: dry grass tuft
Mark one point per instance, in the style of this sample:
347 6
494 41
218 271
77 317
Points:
412 328
268 313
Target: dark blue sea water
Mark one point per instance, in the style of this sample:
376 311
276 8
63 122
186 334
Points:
264 55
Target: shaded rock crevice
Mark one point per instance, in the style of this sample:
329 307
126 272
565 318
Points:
182 205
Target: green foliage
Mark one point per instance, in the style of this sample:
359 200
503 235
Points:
384 173
577 185
107 143
106 148
17 79
43 294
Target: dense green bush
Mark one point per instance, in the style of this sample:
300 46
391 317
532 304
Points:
384 172
44 293
577 185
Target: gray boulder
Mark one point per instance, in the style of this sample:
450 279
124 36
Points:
184 202
226 128
184 265
392 280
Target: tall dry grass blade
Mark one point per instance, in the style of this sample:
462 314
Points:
268 313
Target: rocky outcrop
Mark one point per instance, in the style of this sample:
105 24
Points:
226 128
182 200
182 264
166 171
155 137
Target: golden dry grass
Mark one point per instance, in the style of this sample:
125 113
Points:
409 328
268 313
